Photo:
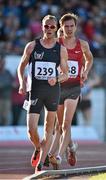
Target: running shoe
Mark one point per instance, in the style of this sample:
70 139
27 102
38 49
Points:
71 154
55 161
39 167
35 158
46 163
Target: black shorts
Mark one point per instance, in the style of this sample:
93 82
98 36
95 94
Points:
47 96
69 93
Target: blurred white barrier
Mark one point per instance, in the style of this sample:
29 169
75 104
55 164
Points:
11 133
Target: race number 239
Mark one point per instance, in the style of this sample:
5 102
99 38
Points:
44 70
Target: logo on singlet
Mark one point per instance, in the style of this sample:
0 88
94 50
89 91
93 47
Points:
54 50
34 102
38 55
77 52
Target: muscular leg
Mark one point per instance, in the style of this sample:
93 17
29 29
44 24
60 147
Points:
58 129
32 123
48 135
69 110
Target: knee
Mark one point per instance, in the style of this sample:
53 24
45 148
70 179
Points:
58 128
66 126
49 127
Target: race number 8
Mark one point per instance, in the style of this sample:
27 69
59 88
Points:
73 68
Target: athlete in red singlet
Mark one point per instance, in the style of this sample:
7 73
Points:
80 61
75 60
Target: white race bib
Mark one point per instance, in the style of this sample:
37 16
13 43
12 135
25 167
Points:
73 69
26 105
44 70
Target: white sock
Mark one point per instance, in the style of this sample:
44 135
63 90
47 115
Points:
59 157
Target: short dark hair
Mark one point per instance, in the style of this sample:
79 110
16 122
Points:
68 16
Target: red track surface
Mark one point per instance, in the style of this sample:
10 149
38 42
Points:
15 158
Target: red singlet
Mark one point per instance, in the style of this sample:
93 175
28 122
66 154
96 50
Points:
75 62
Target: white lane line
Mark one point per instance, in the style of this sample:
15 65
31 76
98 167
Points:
66 172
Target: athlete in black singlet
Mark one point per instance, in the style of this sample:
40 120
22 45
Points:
43 57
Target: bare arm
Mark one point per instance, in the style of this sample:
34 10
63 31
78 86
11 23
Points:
88 59
63 65
23 63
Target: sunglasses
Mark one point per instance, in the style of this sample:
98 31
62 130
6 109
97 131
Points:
49 26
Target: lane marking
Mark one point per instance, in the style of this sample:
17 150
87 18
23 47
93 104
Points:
66 172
